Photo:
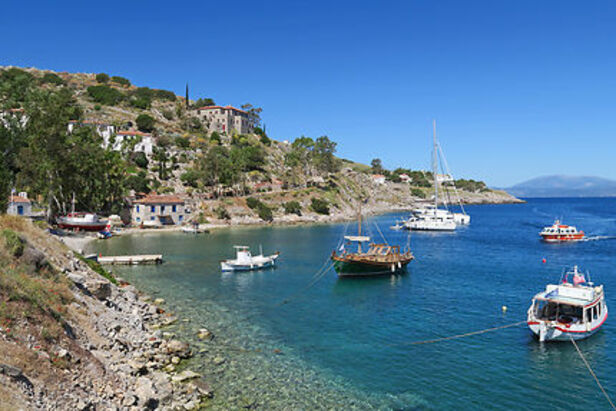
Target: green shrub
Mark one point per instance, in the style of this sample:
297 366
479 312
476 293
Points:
292 207
222 213
105 95
13 244
140 102
190 178
252 202
168 114
121 80
95 266
102 78
215 137
319 206
52 78
418 192
165 95
145 123
138 182
97 107
139 159
182 142
264 212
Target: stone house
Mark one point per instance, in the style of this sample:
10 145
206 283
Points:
157 209
225 119
19 205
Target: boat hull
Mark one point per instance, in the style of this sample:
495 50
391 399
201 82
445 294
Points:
560 333
232 265
83 226
357 269
562 238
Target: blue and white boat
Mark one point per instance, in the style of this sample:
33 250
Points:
575 308
245 261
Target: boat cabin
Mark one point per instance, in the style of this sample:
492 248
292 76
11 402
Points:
569 304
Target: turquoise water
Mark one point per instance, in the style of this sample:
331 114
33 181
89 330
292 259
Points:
344 343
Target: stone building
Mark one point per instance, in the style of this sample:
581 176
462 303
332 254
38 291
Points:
19 205
156 209
225 119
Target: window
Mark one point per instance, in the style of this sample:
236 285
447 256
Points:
152 218
181 218
174 208
138 219
137 208
153 209
162 209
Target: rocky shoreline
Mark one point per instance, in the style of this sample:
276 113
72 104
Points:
114 353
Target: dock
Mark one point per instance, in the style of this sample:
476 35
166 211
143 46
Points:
132 259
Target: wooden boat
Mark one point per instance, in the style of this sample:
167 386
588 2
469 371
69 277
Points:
245 261
575 308
82 221
380 259
558 233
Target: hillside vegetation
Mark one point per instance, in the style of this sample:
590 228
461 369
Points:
217 172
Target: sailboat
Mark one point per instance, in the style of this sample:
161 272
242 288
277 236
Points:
431 217
380 259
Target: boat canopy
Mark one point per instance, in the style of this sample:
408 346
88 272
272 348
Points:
358 238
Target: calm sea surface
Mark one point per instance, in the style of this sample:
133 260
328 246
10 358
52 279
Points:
344 343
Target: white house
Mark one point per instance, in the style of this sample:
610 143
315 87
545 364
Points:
378 178
145 142
155 210
405 178
19 205
106 131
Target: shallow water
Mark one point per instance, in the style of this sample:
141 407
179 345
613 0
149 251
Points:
344 343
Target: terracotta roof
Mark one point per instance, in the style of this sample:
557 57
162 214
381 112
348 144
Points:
133 133
160 199
17 199
224 108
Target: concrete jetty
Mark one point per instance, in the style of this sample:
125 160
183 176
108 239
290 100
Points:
132 259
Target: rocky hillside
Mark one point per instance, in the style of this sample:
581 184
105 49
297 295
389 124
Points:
73 339
222 175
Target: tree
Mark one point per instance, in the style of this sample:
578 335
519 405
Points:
140 159
377 166
145 123
293 207
52 78
204 102
161 157
323 155
254 113
182 142
102 78
319 206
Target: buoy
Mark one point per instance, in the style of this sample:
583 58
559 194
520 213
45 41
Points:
504 308
544 260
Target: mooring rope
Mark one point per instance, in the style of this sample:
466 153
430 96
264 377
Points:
607 397
453 337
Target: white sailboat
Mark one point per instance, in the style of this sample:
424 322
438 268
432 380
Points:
430 217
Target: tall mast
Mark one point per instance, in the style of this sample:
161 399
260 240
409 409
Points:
359 228
434 164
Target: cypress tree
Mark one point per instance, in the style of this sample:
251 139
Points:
186 96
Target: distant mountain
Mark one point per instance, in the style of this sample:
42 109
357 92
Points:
564 186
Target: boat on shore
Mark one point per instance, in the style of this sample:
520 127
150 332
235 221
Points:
82 221
575 309
194 229
558 233
245 261
380 259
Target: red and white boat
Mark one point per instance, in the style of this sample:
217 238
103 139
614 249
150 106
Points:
82 221
560 232
573 309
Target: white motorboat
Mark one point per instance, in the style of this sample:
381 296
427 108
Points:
245 261
575 308
431 217
193 229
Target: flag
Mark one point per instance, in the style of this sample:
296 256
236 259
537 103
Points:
578 279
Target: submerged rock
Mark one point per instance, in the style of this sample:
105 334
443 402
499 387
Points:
185 375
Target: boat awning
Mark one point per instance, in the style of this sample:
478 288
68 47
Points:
356 238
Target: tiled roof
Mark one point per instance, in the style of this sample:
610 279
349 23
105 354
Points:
224 108
17 199
160 199
133 133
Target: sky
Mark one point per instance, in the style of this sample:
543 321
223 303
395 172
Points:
518 89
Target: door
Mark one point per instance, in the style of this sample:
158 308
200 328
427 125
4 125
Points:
20 210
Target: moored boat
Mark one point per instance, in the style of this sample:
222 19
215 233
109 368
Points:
575 309
558 232
380 259
245 261
82 221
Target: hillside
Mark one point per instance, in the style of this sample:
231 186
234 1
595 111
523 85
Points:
565 186
217 172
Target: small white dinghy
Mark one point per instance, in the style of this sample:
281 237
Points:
575 308
245 261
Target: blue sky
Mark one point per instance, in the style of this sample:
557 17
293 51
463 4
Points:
518 88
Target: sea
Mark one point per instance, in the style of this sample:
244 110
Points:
299 337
